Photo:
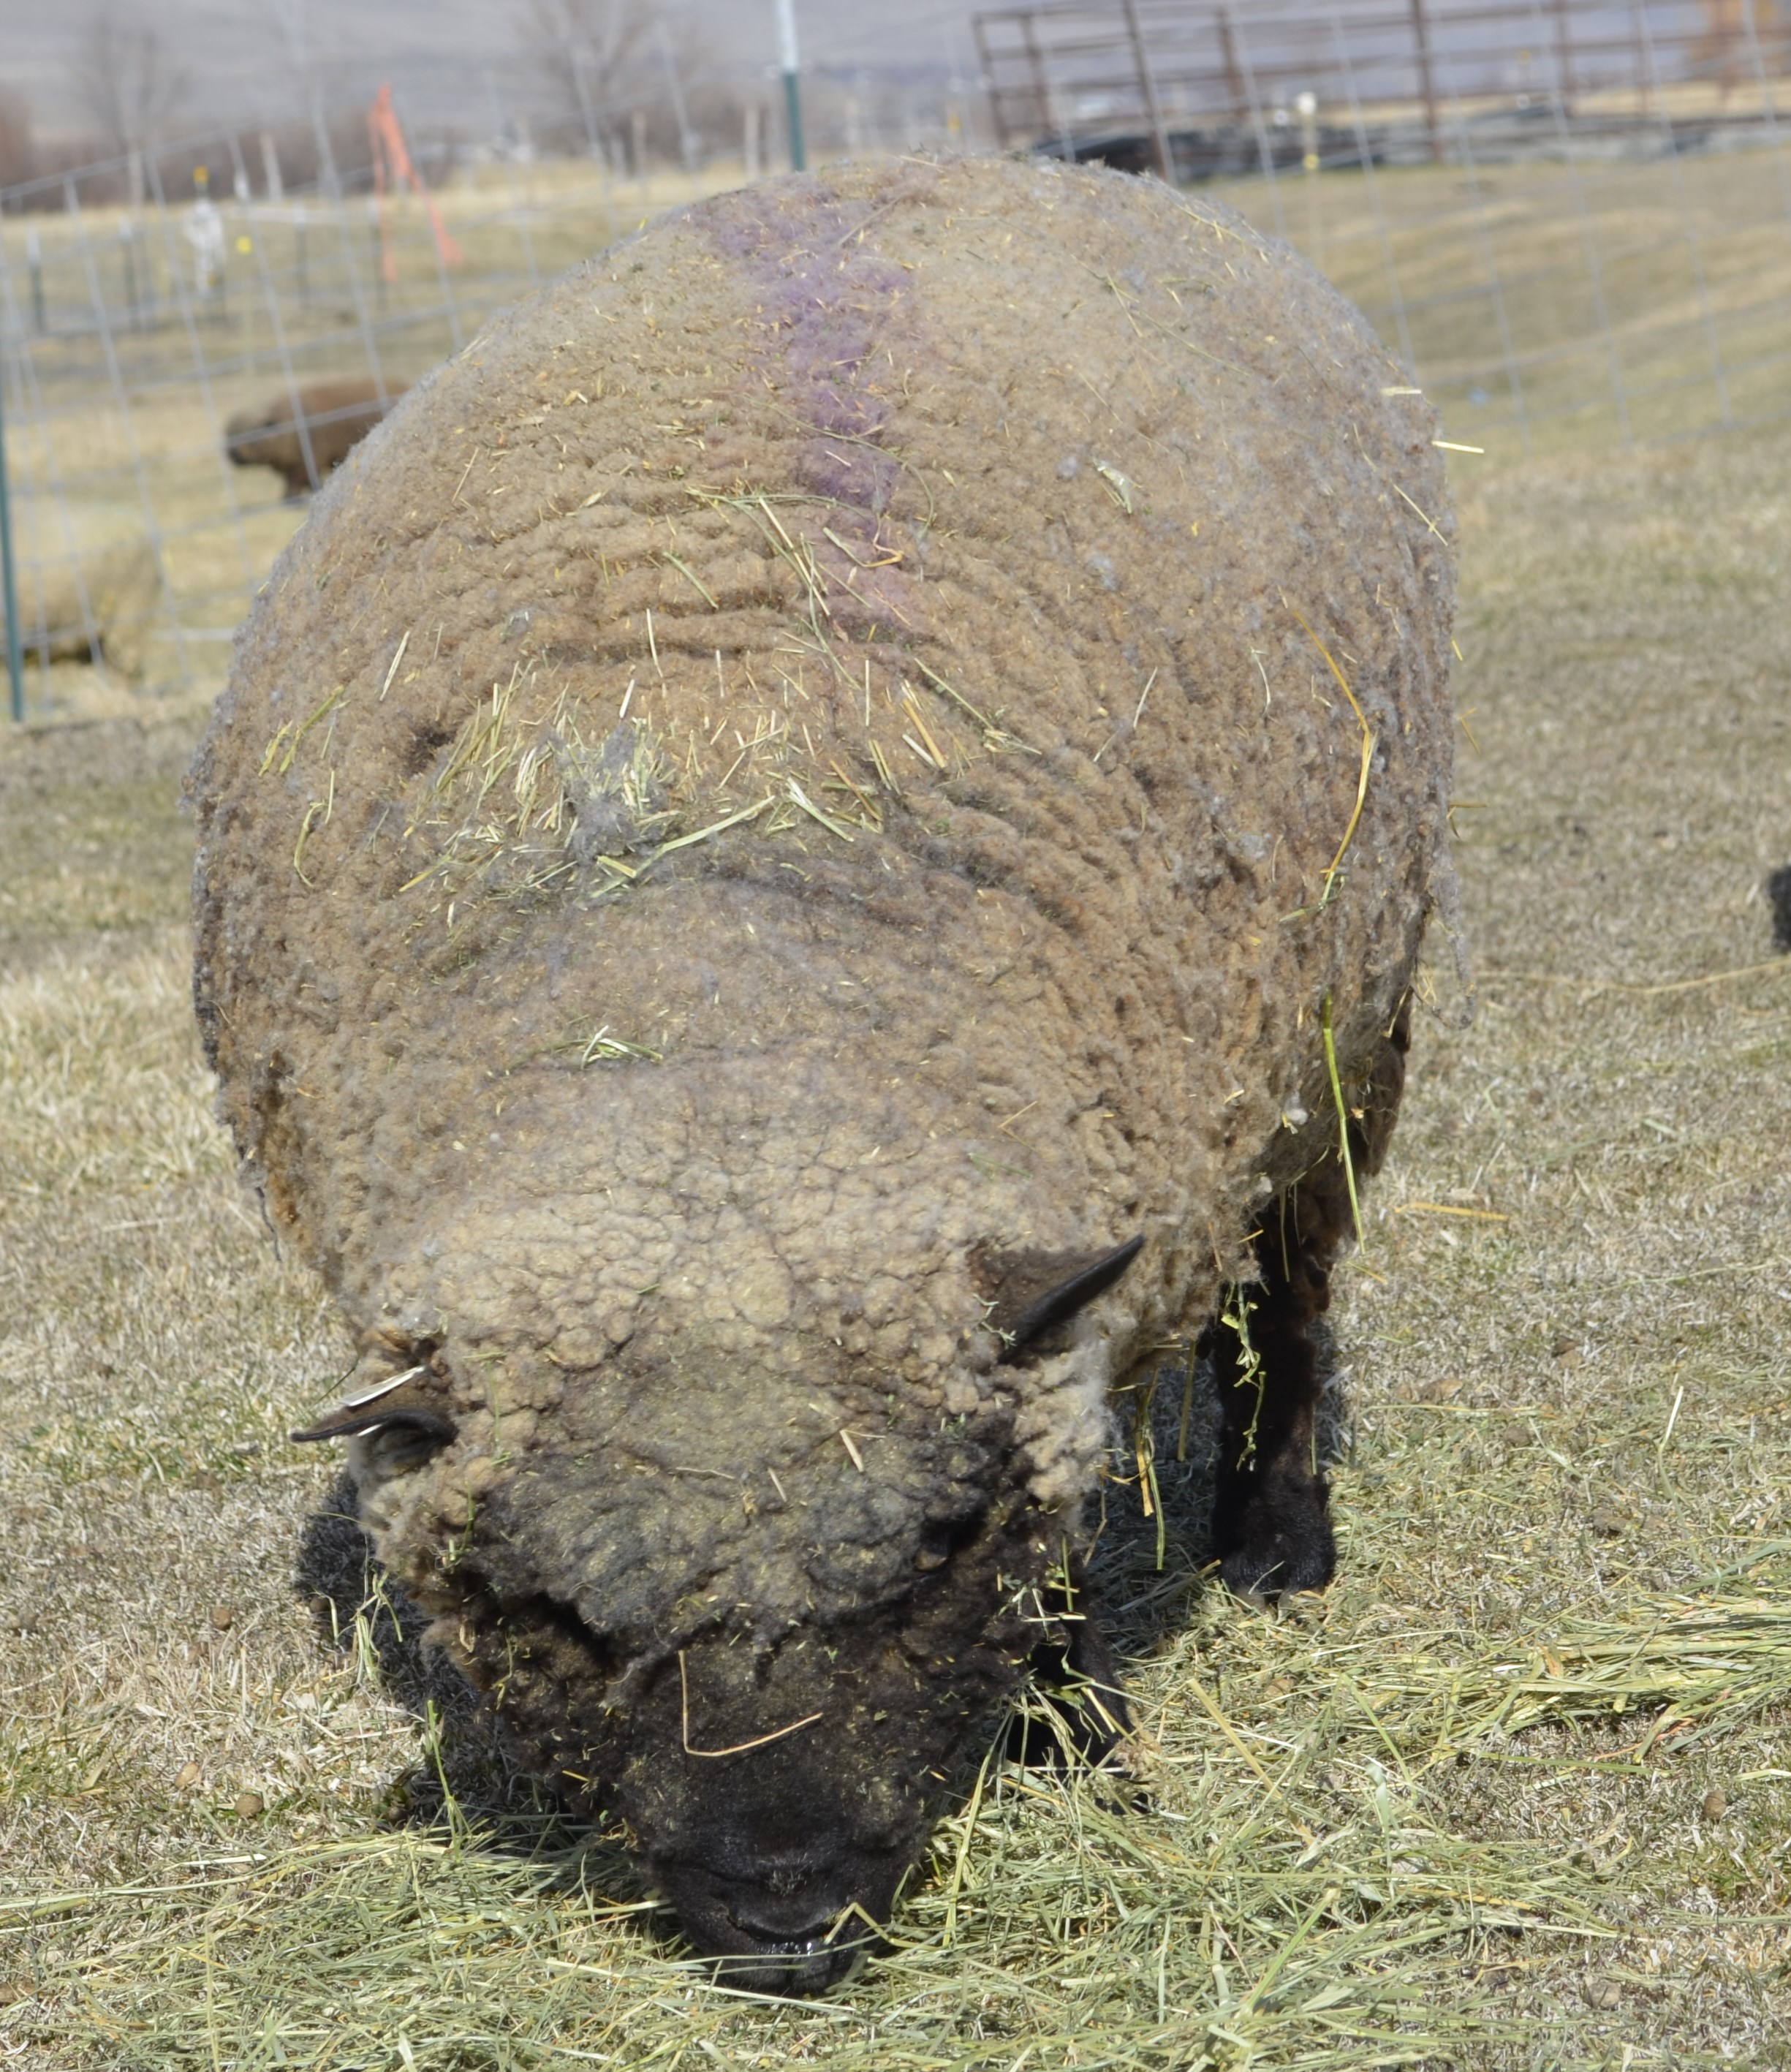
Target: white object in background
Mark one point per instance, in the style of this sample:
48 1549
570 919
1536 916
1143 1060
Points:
204 228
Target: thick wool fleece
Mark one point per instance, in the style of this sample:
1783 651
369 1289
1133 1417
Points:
877 722
90 586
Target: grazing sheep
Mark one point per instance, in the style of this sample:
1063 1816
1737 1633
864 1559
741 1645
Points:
797 866
307 433
89 586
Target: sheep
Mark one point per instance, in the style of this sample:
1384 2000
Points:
818 849
89 586
306 433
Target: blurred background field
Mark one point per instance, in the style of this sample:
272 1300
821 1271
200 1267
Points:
1479 278
1516 1793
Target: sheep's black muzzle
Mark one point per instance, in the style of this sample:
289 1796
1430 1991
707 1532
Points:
799 1968
796 1924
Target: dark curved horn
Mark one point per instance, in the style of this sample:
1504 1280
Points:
353 1424
400 1401
1029 1292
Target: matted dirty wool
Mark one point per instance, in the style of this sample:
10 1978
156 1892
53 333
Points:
880 717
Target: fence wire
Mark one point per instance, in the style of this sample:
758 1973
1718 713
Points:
1571 218
133 332
1560 282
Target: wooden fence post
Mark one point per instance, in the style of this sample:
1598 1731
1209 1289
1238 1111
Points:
1147 87
990 85
1563 36
1234 77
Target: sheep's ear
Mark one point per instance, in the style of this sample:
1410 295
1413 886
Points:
1029 1292
400 1404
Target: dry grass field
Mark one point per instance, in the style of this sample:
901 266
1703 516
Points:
1517 1794
1552 307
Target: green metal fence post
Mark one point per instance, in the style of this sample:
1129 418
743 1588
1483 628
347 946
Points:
8 586
791 64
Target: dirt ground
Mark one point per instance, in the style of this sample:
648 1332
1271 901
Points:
1515 1795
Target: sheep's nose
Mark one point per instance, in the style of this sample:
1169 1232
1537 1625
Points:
792 1953
782 1928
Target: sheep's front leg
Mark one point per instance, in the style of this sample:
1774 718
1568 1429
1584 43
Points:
1271 1525
1271 1520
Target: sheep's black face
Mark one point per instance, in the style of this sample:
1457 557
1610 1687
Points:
773 1671
777 1788
783 1859
778 1783
852 1614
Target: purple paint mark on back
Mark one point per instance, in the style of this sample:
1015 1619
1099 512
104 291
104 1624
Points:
825 303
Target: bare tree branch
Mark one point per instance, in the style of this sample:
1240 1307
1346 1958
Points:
124 78
591 53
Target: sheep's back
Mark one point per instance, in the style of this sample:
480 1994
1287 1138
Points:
924 622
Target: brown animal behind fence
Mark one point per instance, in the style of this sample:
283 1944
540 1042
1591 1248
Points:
305 445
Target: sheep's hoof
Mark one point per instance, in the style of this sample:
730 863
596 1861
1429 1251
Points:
1280 1545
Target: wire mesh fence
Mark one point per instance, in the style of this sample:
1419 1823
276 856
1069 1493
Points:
1210 87
1572 218
158 350
1570 255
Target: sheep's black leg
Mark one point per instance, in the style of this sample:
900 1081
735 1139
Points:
1778 900
1271 1523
